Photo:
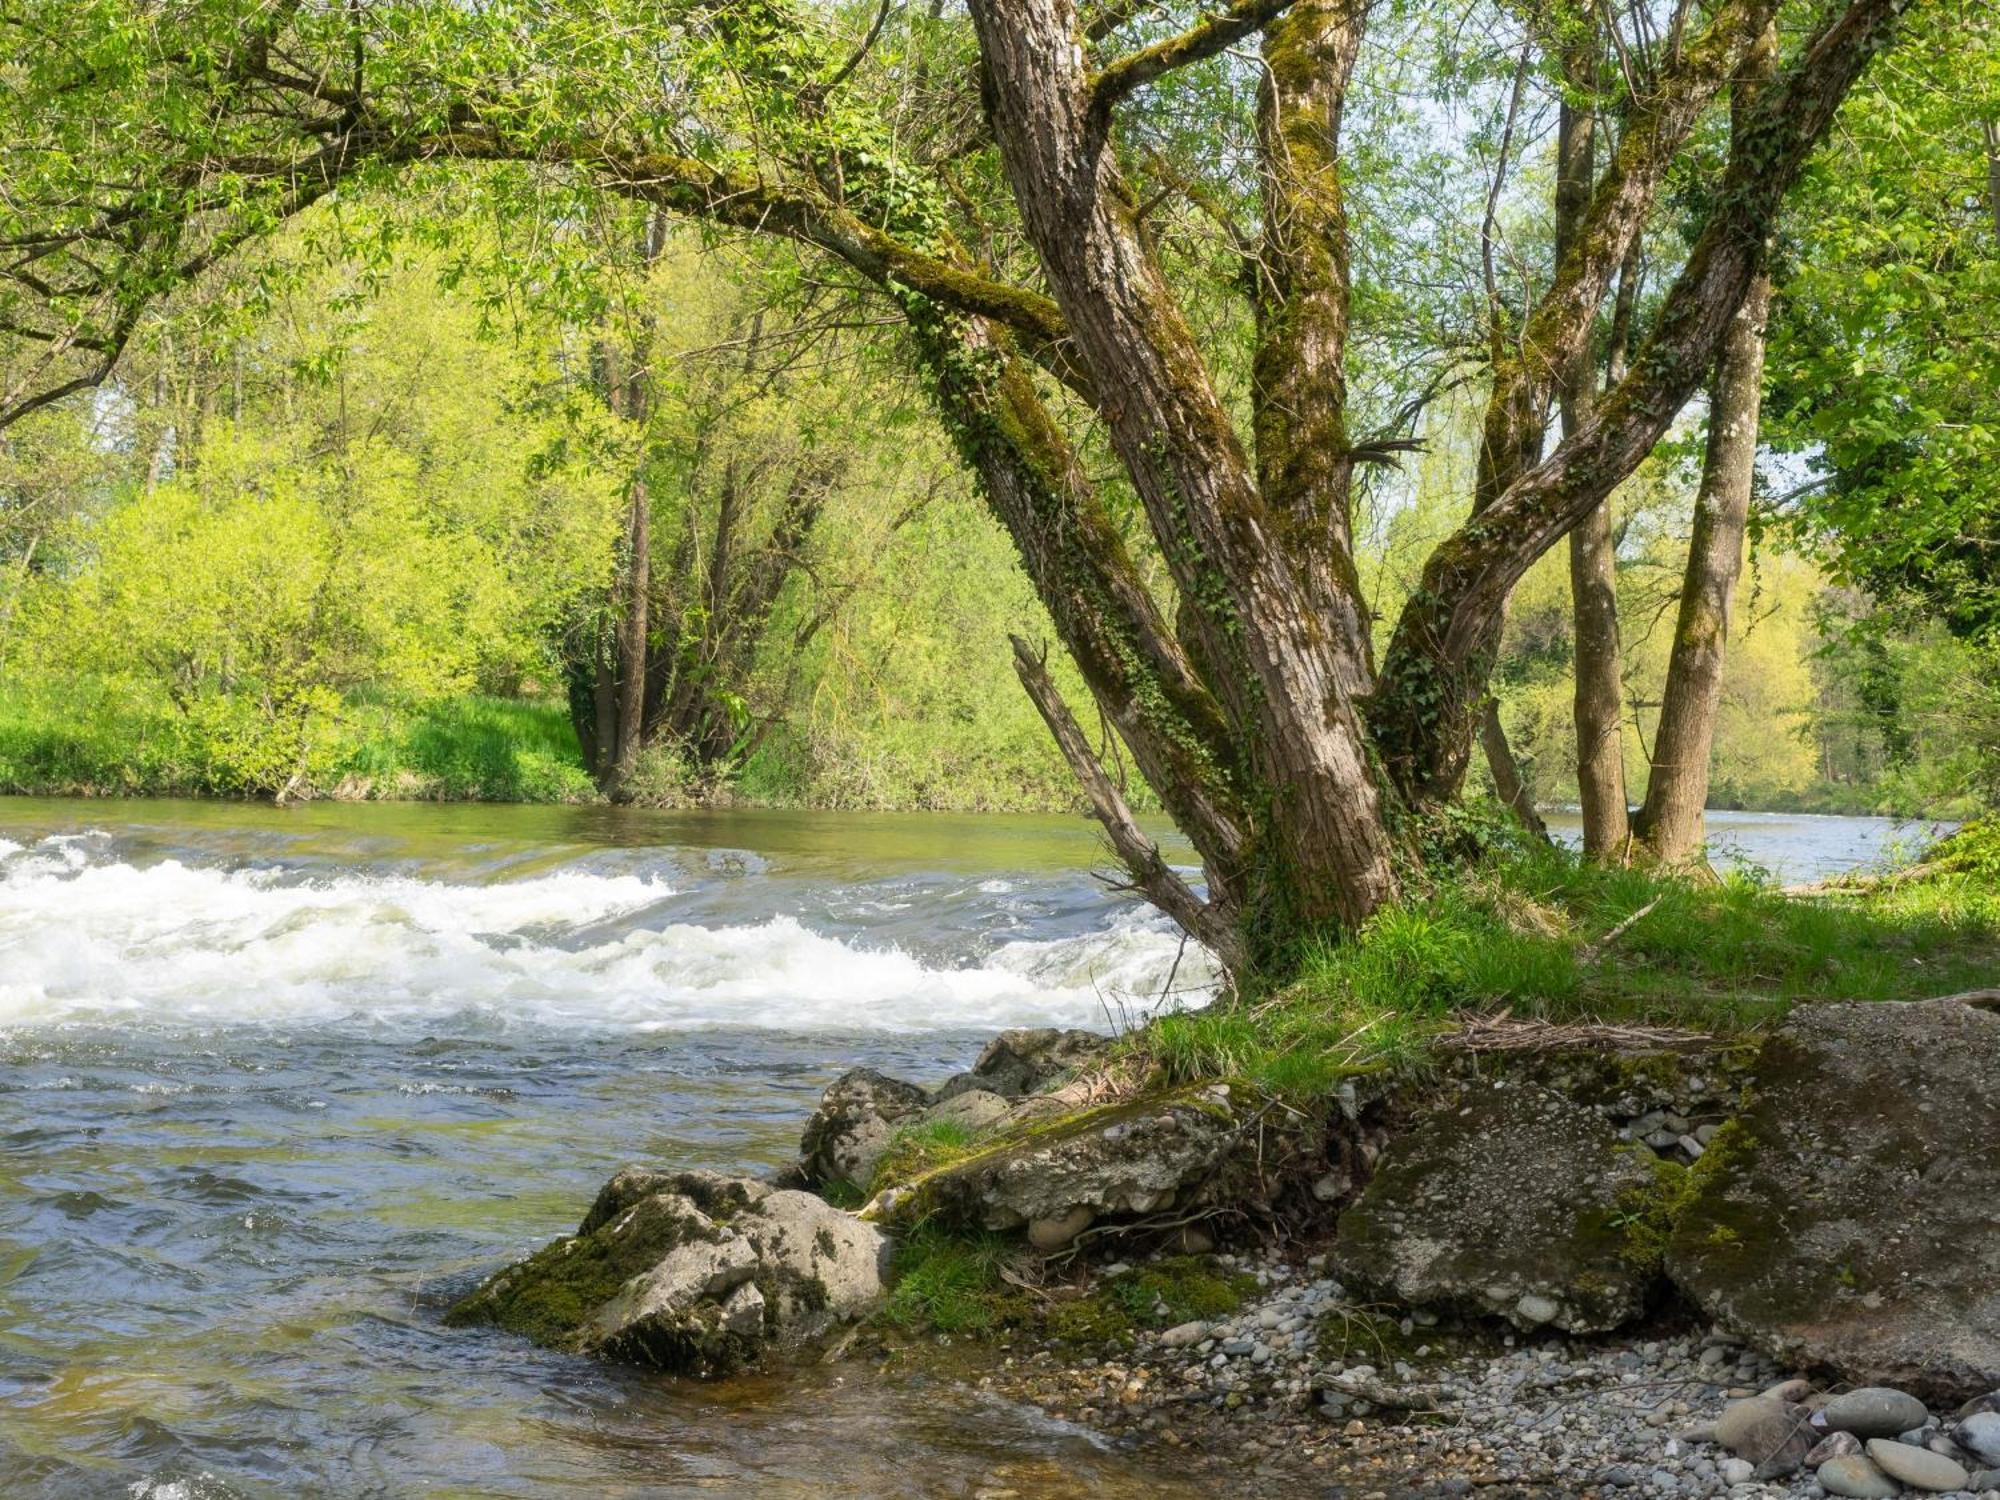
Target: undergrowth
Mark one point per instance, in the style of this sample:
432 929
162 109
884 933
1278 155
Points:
1539 933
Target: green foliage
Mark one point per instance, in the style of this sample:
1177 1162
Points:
1885 353
1520 935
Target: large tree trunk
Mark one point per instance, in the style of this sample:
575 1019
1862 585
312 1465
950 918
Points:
1326 854
1670 823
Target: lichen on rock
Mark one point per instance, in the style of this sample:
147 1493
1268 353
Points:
693 1272
1847 1218
1506 1199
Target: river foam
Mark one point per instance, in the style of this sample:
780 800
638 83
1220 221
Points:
86 935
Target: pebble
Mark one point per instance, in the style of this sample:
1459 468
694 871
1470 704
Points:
1917 1467
1979 1434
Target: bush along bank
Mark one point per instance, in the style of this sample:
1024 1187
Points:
1580 1261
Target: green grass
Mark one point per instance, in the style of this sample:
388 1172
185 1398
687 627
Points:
1525 932
950 1283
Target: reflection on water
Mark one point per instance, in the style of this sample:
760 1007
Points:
274 1087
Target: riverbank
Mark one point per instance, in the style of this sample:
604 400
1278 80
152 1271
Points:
1404 1248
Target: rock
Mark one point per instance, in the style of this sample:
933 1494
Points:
858 1116
1985 1479
1917 1467
1774 1436
1857 1478
1182 1151
1833 1445
1184 1334
1055 1232
1873 1412
1979 1435
1845 1218
1508 1201
1027 1060
974 1109
694 1272
1736 1471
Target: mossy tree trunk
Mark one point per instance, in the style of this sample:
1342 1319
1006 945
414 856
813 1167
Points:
1670 824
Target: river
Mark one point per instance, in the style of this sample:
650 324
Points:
275 1087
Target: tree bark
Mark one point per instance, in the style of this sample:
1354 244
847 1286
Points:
1992 128
1593 565
1670 823
1508 783
1326 858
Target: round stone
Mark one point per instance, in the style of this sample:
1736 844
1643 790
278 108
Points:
1875 1411
1919 1468
1856 1477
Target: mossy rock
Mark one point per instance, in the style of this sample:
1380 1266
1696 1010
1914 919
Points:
1847 1218
1124 1162
1506 1199
693 1272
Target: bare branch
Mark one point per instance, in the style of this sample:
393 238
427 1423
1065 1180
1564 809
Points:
1151 874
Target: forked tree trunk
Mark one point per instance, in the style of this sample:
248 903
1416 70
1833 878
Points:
1671 823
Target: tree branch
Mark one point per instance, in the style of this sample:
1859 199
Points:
1204 39
1151 874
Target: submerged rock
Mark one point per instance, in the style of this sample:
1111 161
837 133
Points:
694 1272
1846 1218
1510 1200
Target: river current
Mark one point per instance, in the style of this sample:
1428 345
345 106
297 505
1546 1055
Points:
275 1087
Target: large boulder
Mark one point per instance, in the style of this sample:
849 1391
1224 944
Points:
858 1116
1507 1199
1850 1217
1128 1162
693 1272
1027 1060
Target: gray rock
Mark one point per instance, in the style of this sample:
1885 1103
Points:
1180 1151
1504 1201
858 1116
1857 1478
1833 1445
1979 1435
1917 1467
1845 1218
694 1272
974 1109
1773 1436
1057 1230
1027 1060
1985 1479
1736 1471
1184 1334
1874 1412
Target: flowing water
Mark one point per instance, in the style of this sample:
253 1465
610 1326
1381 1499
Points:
275 1087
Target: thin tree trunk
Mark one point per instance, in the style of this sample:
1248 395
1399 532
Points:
1508 782
1671 823
1593 564
1993 172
